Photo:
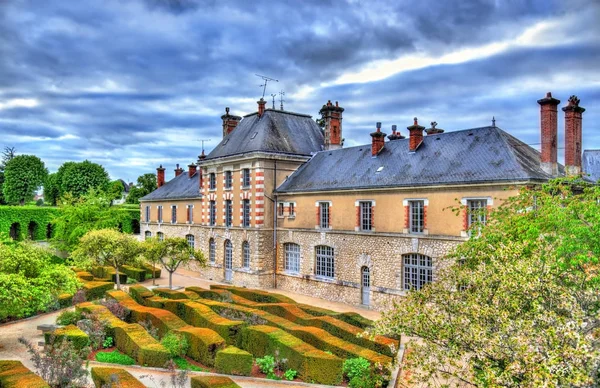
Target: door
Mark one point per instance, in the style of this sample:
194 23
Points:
228 261
366 285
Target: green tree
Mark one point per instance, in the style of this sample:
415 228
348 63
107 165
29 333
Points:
51 189
79 178
171 253
153 250
517 306
23 175
115 190
7 154
106 247
145 185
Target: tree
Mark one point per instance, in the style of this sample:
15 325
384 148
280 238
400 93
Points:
153 250
516 306
145 185
7 154
23 175
115 190
51 189
106 247
79 178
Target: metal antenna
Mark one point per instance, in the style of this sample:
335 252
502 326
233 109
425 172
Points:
493 121
273 95
281 100
203 140
266 81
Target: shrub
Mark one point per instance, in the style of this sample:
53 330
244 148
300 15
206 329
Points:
140 294
95 327
13 374
266 365
204 344
79 297
96 290
116 309
114 377
137 274
290 374
234 361
71 333
176 344
213 382
134 341
184 364
354 367
68 318
108 342
115 357
150 328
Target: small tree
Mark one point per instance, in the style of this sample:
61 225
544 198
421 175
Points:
51 189
153 250
79 178
171 253
106 247
23 175
145 185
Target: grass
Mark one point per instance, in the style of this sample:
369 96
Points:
182 363
115 357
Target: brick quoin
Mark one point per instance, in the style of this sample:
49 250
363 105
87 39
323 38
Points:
406 216
465 219
358 225
318 215
372 216
425 217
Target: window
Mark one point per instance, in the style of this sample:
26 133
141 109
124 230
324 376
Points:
416 216
173 214
325 263
246 254
418 271
280 209
228 254
160 236
292 257
212 213
324 215
190 214
246 177
366 215
228 213
190 240
212 181
228 179
147 213
476 214
292 210
160 219
148 235
212 248
246 213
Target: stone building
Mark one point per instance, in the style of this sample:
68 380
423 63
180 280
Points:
280 203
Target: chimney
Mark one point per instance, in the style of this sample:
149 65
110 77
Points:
201 157
191 170
229 122
378 141
396 135
160 176
415 135
332 116
573 136
433 130
549 133
178 170
261 106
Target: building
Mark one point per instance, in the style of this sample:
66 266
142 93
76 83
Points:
280 203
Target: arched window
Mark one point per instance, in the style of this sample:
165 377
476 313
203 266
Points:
292 257
212 248
147 235
418 270
160 236
190 240
246 254
325 262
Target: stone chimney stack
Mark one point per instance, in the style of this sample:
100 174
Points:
415 135
160 176
573 136
229 122
378 141
332 116
191 170
396 135
261 106
178 170
433 130
549 133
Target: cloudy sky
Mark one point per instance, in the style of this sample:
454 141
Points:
131 84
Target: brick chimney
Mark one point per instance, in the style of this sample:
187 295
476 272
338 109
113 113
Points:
191 170
229 122
332 116
549 133
573 136
415 135
433 130
396 135
178 170
378 141
201 157
261 106
160 176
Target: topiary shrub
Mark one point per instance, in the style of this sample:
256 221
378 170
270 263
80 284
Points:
137 274
204 344
65 300
84 275
134 341
176 343
255 295
13 374
175 294
117 377
140 294
212 382
234 361
70 333
96 290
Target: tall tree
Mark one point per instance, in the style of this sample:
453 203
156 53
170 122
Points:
7 154
23 175
51 189
115 190
79 178
145 185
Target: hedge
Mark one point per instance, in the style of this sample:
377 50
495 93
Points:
96 289
213 382
175 294
134 340
204 344
23 215
137 274
150 269
109 274
254 295
140 293
13 374
84 275
103 314
354 319
156 301
70 333
65 300
207 294
234 361
312 364
105 377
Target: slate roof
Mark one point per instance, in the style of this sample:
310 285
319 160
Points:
477 155
590 164
180 187
274 132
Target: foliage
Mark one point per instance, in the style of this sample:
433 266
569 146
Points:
145 185
267 366
79 178
79 297
184 364
290 374
115 190
41 217
7 155
39 202
114 357
117 309
59 363
150 328
360 374
52 189
68 318
234 361
23 175
519 306
176 344
354 367
106 247
95 328
108 342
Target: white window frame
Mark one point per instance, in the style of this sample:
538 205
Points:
160 236
228 178
147 235
412 207
246 211
212 250
246 178
228 213
173 214
292 210
368 214
212 213
417 271
320 204
246 254
147 213
191 241
190 214
212 181
324 262
292 258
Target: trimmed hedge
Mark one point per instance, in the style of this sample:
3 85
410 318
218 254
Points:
103 314
312 364
207 294
96 290
109 274
213 382
23 215
152 270
70 333
354 319
84 275
13 374
204 344
137 274
175 294
140 293
234 361
104 376
65 300
254 295
156 301
134 341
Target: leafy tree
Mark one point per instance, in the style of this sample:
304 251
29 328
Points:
145 185
106 247
516 306
23 175
52 189
153 250
79 178
115 190
7 154
2 201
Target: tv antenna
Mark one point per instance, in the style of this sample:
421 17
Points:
281 100
273 95
266 81
202 141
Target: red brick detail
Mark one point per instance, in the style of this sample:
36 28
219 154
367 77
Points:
318 215
406 216
573 132
178 171
549 128
191 170
358 216
259 173
415 135
332 115
465 218
425 217
160 176
372 216
261 106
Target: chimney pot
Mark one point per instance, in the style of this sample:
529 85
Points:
415 135
549 134
332 117
178 170
160 176
261 106
377 141
191 170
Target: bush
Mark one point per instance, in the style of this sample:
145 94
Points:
140 294
108 342
290 374
70 333
96 290
68 318
354 367
115 357
95 328
266 365
134 341
213 382
234 361
117 377
184 364
116 309
204 344
13 374
137 274
176 344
